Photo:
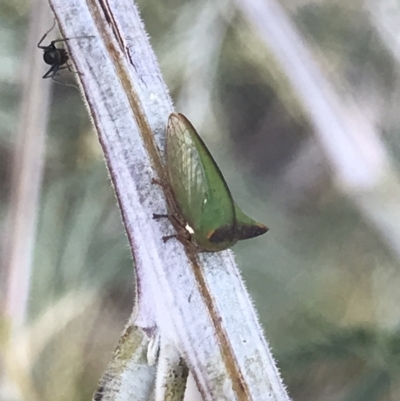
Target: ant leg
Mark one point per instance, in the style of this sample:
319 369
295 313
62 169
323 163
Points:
74 37
44 36
71 70
57 40
53 71
63 83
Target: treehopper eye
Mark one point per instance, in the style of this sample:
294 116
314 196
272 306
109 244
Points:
201 193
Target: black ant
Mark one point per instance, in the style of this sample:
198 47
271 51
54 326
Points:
55 57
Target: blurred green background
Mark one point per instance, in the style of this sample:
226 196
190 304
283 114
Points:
325 280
